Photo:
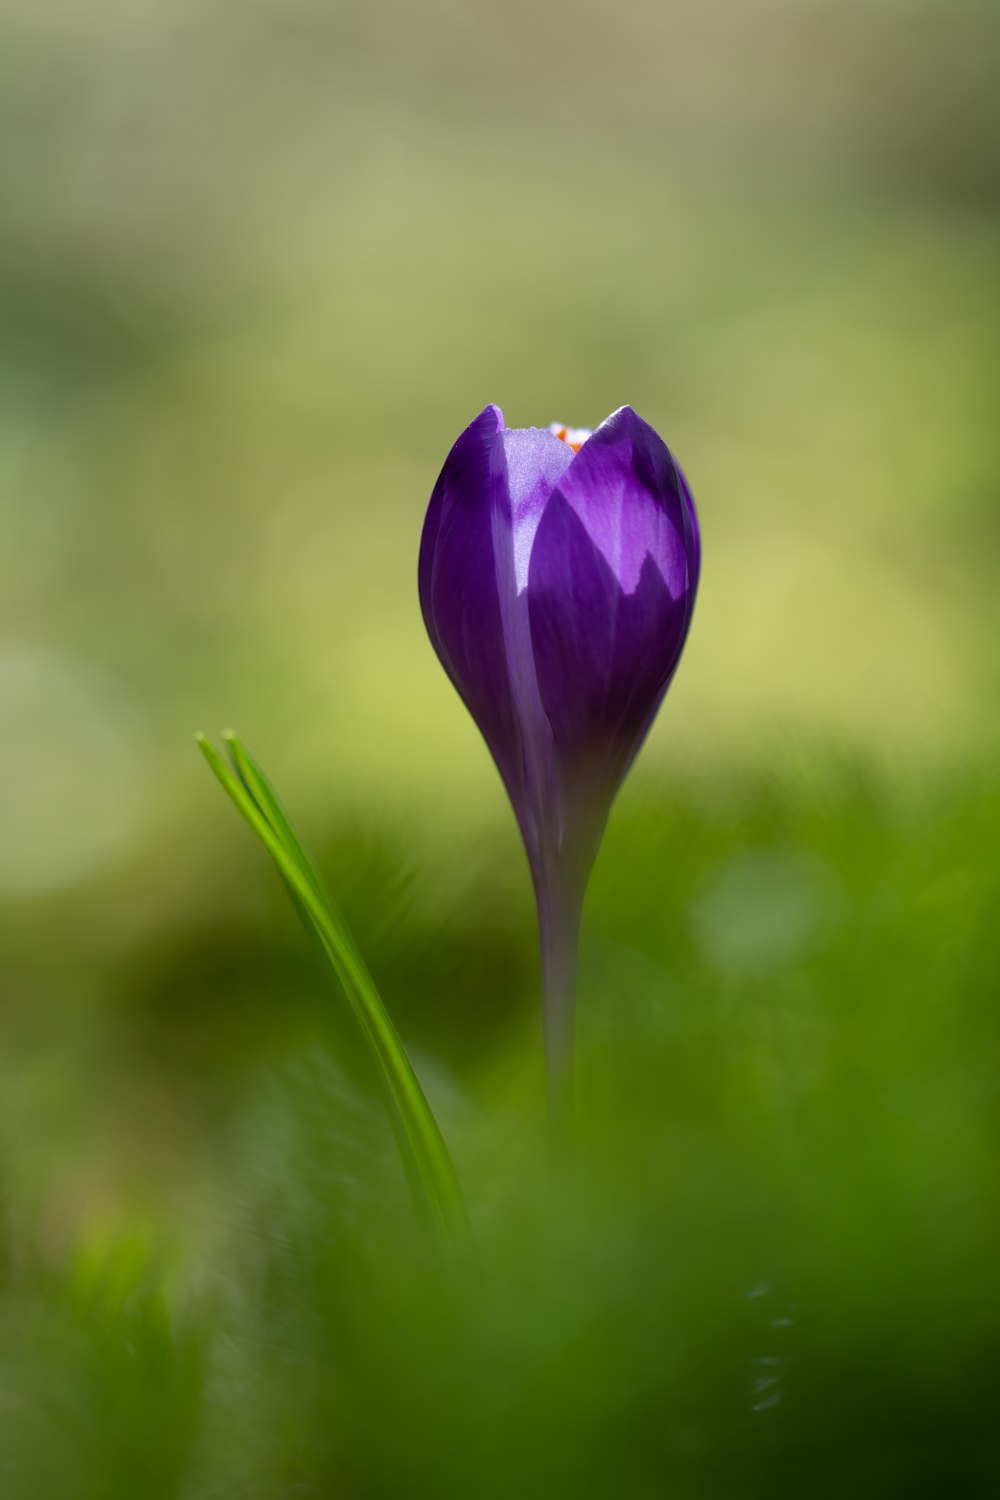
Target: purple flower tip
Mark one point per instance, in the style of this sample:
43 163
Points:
558 570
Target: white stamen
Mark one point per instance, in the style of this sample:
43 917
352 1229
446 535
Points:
575 436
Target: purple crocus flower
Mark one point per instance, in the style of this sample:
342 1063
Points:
558 571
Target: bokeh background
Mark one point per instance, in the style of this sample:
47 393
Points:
259 265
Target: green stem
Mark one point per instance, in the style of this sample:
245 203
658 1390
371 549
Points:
559 910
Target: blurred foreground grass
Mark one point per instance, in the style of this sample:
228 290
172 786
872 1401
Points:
772 1268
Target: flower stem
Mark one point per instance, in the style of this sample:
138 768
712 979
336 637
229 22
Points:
559 931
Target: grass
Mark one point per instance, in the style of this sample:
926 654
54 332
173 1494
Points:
771 1269
425 1156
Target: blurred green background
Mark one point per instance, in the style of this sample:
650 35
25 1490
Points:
259 265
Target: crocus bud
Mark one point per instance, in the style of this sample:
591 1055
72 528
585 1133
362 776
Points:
557 577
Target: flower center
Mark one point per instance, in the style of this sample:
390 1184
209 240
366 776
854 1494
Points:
575 436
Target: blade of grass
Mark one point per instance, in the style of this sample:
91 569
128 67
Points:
425 1154
355 978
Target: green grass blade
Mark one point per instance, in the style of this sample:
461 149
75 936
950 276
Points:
425 1154
353 973
266 799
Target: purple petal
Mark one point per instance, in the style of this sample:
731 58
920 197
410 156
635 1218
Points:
473 571
625 488
536 462
610 587
459 593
